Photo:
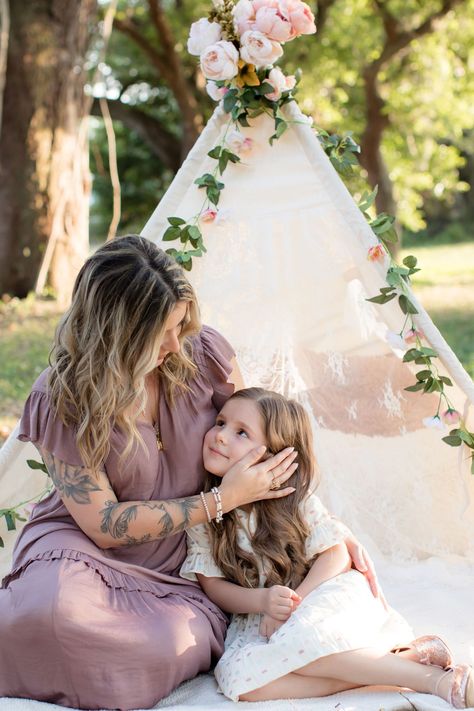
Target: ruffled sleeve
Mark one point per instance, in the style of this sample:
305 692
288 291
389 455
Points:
325 531
214 358
40 426
199 558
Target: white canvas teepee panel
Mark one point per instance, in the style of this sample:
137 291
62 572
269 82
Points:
285 279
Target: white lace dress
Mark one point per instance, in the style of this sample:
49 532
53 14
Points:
337 616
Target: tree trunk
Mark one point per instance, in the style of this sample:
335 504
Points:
44 172
371 146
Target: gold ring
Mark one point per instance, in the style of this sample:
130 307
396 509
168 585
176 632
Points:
274 485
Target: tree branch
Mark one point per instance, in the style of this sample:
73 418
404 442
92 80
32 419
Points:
164 145
169 66
402 38
131 29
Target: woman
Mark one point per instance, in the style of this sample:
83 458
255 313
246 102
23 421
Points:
94 613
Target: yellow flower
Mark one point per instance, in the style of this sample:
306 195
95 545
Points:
247 75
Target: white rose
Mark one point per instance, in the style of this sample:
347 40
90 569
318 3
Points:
202 34
216 92
278 80
258 49
220 61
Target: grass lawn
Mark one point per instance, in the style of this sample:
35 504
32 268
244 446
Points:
445 286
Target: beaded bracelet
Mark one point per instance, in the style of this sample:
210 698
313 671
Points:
206 508
217 497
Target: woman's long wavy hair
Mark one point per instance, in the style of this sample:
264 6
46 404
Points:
109 340
281 531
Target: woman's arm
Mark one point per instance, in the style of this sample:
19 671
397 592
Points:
91 501
328 564
276 601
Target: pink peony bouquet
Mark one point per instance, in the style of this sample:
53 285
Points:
239 43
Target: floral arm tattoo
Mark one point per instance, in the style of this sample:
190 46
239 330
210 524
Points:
127 523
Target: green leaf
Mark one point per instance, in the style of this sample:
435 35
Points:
33 464
215 153
213 194
410 261
281 128
446 380
243 120
423 375
266 88
367 199
10 521
382 299
452 440
194 232
406 306
428 352
229 101
2 544
466 437
176 221
172 233
188 265
393 278
205 180
411 355
415 388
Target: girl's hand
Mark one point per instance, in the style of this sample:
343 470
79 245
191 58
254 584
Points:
268 626
364 564
250 479
279 602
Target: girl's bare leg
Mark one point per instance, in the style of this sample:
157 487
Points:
295 686
362 667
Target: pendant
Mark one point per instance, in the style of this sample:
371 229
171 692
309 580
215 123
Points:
159 442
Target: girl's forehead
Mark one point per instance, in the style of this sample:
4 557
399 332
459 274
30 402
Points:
243 410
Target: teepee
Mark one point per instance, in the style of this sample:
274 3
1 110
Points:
286 279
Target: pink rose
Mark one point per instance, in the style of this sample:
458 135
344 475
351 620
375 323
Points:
279 82
208 215
202 34
219 61
259 50
412 334
376 254
237 143
258 4
300 16
269 22
244 16
451 417
216 92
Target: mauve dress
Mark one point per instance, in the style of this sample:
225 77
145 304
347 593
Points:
116 628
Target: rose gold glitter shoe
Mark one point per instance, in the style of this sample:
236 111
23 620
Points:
429 650
461 690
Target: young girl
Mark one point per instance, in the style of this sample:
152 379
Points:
304 623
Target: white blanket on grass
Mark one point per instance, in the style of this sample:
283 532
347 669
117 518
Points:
435 597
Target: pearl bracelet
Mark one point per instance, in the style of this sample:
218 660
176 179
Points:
206 508
217 497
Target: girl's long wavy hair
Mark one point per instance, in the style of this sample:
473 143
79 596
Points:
281 531
109 340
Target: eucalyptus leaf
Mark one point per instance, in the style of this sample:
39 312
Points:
452 440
